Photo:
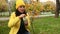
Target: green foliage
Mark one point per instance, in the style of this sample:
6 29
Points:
13 8
31 7
38 6
3 5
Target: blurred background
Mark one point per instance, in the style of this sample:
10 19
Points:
45 15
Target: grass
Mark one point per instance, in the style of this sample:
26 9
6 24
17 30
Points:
45 25
3 27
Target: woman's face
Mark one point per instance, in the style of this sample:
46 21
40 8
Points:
21 8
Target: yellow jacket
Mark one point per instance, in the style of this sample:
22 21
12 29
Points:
14 23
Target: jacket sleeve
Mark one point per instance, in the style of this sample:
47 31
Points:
13 20
29 23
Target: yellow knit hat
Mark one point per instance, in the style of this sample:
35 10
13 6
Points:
19 3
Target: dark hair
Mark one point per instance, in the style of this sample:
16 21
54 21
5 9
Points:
19 13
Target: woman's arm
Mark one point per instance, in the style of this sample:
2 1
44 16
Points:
13 20
29 23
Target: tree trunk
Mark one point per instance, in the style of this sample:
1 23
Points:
57 9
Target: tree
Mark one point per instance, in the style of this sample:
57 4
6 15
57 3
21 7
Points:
13 5
49 6
34 7
3 5
57 9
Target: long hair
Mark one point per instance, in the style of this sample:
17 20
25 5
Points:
19 13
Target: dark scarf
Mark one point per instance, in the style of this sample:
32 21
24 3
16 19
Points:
22 26
18 13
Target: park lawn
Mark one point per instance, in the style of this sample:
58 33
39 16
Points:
3 27
47 25
44 25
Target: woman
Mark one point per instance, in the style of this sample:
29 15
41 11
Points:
19 20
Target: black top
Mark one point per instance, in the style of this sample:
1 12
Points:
22 28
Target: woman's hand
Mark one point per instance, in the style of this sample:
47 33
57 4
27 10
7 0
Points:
26 23
21 16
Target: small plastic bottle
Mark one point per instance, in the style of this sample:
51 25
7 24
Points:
25 21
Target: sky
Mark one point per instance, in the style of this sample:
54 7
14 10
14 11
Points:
48 0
